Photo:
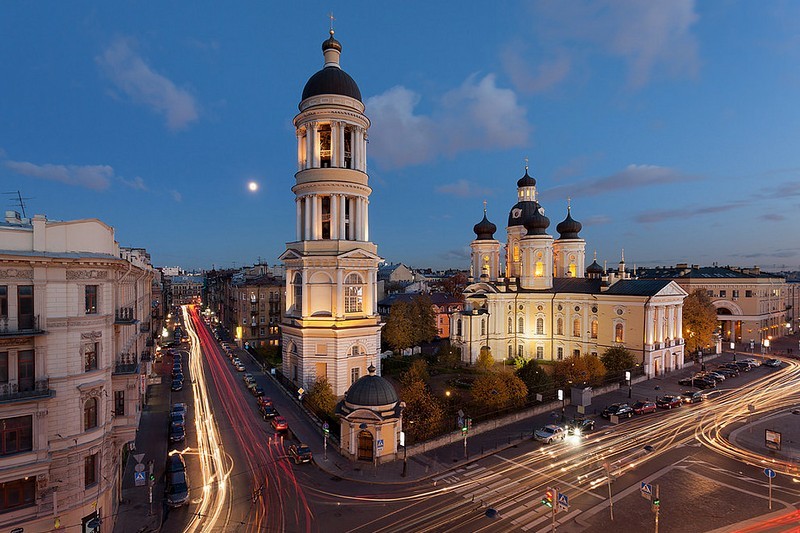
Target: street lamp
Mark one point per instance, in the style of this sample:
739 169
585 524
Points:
563 404
628 379
733 349
702 364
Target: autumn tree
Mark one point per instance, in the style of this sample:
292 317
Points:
320 398
495 391
423 319
579 369
535 377
617 359
418 371
485 362
424 415
455 284
398 331
699 320
448 356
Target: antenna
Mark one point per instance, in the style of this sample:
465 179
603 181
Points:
19 201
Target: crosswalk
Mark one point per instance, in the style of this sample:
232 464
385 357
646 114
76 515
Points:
526 512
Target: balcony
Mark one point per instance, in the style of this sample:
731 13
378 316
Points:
13 392
126 364
145 356
125 316
24 326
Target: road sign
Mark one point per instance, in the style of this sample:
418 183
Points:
563 502
326 428
770 473
138 457
646 490
139 467
380 444
138 479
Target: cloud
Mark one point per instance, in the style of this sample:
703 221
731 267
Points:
136 183
476 115
457 254
775 217
686 212
650 37
785 253
631 177
464 189
143 85
178 197
597 220
96 177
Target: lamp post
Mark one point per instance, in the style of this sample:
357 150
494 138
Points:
628 379
702 364
563 404
733 349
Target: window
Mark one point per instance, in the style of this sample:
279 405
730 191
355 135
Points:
18 493
594 329
520 351
90 356
748 294
458 327
539 270
89 470
483 327
560 326
619 333
298 293
722 294
540 326
520 325
119 403
91 299
573 271
710 294
560 353
26 370
3 301
3 367
354 374
16 434
90 414
261 332
25 299
576 327
510 325
353 294
540 352
735 294
576 353
510 351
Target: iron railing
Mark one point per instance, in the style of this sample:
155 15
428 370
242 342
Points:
34 389
124 315
126 363
24 326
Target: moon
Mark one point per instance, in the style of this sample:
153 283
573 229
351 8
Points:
253 186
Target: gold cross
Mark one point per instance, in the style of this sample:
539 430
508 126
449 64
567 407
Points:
332 19
569 203
484 207
526 162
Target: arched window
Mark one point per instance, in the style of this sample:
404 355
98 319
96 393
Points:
483 327
573 270
594 329
576 327
540 326
516 253
520 351
539 271
510 325
357 350
510 351
520 325
458 327
297 282
353 294
90 414
619 333
560 326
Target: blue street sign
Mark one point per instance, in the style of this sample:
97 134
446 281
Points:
646 490
769 472
563 502
138 478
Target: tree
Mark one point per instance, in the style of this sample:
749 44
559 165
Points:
617 359
320 399
424 319
424 416
578 370
448 356
699 320
398 331
595 368
485 361
496 391
535 378
418 371
455 284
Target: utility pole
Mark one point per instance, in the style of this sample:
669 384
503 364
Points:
656 507
610 500
555 507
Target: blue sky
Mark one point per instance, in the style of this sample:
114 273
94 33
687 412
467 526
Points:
672 125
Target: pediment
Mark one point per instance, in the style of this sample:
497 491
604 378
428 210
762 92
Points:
290 254
479 288
672 289
364 414
358 253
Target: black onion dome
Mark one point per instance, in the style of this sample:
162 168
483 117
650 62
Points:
537 224
526 180
521 212
331 80
371 391
594 268
484 229
330 42
569 227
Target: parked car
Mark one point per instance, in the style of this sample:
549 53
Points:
263 400
668 402
177 489
700 382
301 453
177 432
239 367
619 409
773 363
177 384
257 391
549 433
742 366
731 367
176 417
175 463
279 423
177 375
715 375
179 407
692 396
727 372
235 361
580 426
267 411
247 377
644 407
752 362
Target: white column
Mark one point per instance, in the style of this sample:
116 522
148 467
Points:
357 148
339 311
334 216
679 323
340 140
314 145
305 293
366 219
309 143
671 322
357 202
334 145
299 224
318 202
342 214
299 150
307 216
315 217
374 283
649 321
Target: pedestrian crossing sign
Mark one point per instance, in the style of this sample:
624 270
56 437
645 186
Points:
563 502
647 490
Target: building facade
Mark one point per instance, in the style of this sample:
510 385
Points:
257 311
547 305
76 343
332 328
186 289
443 305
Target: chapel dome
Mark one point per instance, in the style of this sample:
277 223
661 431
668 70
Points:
537 224
331 79
371 391
569 227
484 229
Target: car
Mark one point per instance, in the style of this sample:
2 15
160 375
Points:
731 367
549 433
177 432
263 400
177 375
644 407
773 363
716 375
177 384
301 453
727 372
580 426
618 409
267 411
177 368
179 407
239 367
752 362
257 391
236 361
248 377
279 423
700 382
176 417
177 490
692 396
175 463
742 366
668 402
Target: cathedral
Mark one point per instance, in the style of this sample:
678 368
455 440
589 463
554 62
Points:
547 305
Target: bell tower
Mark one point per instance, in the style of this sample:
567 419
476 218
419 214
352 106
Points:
332 327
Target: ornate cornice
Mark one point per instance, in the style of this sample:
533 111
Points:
92 335
87 274
16 273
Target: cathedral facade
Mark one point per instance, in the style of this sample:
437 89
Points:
547 305
332 327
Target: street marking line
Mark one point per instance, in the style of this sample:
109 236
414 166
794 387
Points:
578 488
473 465
533 524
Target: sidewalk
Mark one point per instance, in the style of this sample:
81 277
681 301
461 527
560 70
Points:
152 438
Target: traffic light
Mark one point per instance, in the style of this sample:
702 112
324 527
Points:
549 496
655 505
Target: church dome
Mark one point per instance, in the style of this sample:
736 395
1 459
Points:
371 391
526 180
331 79
522 212
537 224
569 227
484 229
594 268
